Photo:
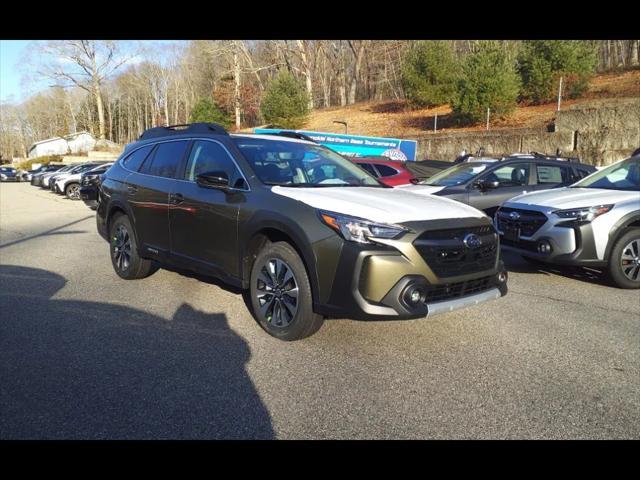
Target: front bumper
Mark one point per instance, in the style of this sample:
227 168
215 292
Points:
571 242
375 281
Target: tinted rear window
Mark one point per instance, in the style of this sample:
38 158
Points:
386 171
165 159
369 168
135 159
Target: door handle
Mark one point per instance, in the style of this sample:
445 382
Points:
176 198
132 190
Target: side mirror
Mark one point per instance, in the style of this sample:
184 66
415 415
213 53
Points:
216 179
487 184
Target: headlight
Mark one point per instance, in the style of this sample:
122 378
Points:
585 213
360 230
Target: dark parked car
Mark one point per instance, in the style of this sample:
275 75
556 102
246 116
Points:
90 183
487 184
9 174
304 230
35 176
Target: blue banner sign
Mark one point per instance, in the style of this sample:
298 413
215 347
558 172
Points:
357 146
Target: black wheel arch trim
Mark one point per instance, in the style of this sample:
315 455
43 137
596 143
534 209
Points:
618 230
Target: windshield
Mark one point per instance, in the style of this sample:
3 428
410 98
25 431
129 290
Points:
7 169
624 175
295 164
457 175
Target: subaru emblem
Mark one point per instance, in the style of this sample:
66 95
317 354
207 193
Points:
471 240
514 216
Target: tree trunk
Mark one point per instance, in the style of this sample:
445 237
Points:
236 93
98 96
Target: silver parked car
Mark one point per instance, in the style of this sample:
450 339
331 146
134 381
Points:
594 222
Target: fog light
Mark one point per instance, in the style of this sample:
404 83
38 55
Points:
414 295
502 277
544 247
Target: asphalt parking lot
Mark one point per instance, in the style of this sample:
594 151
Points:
84 354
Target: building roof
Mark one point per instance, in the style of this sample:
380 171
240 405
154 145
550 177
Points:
66 137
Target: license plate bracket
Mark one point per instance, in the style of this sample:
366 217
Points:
512 234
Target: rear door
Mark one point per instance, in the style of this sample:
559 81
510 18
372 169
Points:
550 175
514 179
148 192
203 221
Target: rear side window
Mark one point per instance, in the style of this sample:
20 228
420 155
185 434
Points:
369 168
165 159
133 161
581 173
386 171
552 174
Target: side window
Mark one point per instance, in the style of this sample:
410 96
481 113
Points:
369 168
386 171
211 157
135 159
165 159
581 173
512 175
552 174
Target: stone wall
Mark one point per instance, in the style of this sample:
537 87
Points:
599 133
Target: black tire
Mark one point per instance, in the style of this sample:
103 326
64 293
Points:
72 191
627 245
274 311
125 260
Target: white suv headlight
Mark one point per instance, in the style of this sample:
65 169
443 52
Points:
585 213
359 230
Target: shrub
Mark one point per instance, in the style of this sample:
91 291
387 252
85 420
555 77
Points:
28 164
489 80
206 110
285 102
429 71
542 62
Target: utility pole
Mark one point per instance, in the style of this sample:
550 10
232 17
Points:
488 112
559 94
435 123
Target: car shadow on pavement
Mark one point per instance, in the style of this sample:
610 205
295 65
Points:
515 263
74 369
52 231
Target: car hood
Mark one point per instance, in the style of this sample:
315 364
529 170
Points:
563 198
386 205
422 189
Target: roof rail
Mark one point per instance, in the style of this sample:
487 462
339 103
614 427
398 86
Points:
290 134
199 127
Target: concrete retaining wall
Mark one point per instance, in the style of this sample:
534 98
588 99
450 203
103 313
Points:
600 133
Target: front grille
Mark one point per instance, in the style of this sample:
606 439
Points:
529 221
450 291
447 255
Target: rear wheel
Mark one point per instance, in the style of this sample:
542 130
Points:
72 191
281 293
124 251
624 262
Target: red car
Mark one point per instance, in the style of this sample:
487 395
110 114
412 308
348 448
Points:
389 172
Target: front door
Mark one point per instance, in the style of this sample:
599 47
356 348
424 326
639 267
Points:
514 179
204 221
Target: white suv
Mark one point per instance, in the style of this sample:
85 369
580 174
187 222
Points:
594 222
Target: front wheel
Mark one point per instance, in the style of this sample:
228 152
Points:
624 263
281 294
72 191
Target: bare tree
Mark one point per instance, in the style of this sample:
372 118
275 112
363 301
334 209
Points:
86 64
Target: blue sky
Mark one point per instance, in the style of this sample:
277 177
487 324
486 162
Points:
14 70
11 54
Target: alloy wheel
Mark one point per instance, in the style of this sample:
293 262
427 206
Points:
277 293
74 192
630 260
122 248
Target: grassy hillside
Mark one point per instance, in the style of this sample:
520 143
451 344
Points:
396 119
